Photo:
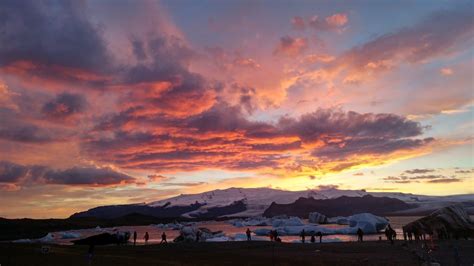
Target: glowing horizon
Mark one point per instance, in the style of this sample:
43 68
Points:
116 102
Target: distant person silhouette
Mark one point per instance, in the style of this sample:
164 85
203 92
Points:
146 237
163 238
313 239
134 238
320 236
303 235
198 236
90 252
249 235
360 235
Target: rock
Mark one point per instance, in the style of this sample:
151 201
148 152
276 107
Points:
317 218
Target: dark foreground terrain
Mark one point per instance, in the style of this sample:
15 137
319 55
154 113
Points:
235 253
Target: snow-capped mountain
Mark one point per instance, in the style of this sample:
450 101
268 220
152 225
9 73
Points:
259 199
244 202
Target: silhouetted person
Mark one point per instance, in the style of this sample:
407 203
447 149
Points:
313 239
303 235
146 237
389 233
275 235
271 235
320 236
135 238
163 238
198 236
90 253
360 235
249 235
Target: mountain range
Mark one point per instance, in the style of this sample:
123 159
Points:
247 202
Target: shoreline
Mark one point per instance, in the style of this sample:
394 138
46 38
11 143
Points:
237 253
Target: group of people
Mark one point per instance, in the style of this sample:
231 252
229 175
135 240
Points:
146 237
389 233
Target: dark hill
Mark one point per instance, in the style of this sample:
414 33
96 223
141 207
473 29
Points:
342 206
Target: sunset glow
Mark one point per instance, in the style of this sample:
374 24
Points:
98 107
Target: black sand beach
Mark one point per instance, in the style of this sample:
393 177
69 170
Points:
236 253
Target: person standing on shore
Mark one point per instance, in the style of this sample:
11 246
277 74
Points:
303 235
249 235
163 238
146 237
360 235
320 236
134 238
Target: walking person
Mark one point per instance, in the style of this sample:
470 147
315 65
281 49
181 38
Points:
146 237
134 238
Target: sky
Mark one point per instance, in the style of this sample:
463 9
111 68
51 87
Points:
118 102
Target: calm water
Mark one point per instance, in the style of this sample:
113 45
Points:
230 230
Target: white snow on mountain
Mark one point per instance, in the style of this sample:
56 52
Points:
258 199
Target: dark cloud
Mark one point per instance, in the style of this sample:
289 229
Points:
290 46
327 187
52 33
12 128
464 171
38 174
183 184
402 179
65 105
358 174
87 176
419 171
369 146
11 172
445 180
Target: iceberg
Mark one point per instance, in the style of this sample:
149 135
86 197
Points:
69 235
317 218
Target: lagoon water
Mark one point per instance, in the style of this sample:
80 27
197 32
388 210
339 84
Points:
229 230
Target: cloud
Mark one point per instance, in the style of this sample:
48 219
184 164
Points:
223 137
91 176
333 22
446 71
159 178
65 105
298 23
358 174
289 46
436 35
445 180
81 175
434 179
53 33
326 187
11 172
419 171
184 184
